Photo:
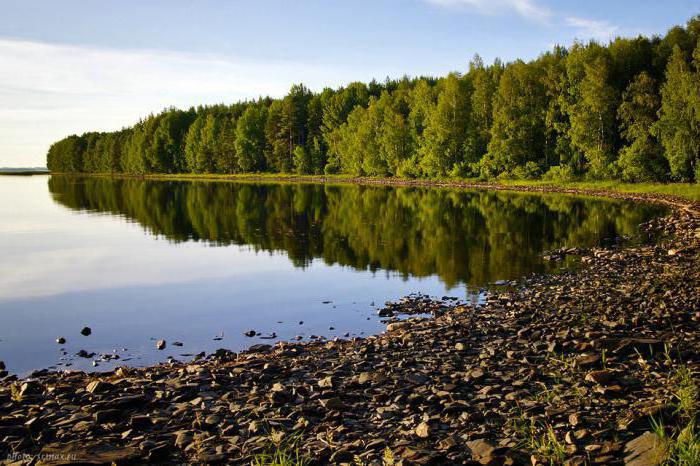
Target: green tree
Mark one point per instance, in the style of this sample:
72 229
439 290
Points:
593 114
481 109
302 161
678 128
250 139
442 143
518 130
642 158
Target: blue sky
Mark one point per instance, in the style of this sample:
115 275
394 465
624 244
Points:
71 66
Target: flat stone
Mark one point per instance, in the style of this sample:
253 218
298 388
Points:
87 452
481 449
98 386
646 450
333 404
601 377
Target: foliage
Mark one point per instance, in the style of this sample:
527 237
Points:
626 110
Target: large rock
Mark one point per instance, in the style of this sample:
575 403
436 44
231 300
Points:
87 452
646 450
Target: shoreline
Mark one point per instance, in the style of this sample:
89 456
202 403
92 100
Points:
588 355
615 190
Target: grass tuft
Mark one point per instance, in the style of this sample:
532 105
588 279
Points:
682 443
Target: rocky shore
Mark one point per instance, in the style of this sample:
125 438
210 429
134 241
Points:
572 368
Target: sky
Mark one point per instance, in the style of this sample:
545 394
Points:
71 66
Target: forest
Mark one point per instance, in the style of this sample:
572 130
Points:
628 110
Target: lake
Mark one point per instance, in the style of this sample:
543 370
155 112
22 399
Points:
203 262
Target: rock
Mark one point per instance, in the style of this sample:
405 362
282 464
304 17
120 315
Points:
2 366
396 326
147 445
481 450
106 415
601 377
254 427
363 378
84 354
98 386
139 422
177 343
61 341
86 331
646 450
460 346
29 388
87 452
182 439
160 344
250 333
326 382
587 361
423 430
212 420
334 403
262 348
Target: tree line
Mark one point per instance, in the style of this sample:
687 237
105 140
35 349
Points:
626 110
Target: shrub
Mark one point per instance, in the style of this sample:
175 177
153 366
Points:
560 174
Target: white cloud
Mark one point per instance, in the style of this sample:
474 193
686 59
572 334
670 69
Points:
48 91
525 8
592 29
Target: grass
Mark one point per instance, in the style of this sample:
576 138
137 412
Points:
690 191
542 441
682 442
284 451
280 457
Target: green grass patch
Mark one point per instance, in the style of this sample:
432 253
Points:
689 191
283 451
682 442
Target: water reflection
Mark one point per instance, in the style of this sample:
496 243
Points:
462 236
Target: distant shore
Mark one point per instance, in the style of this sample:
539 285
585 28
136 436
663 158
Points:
23 171
585 366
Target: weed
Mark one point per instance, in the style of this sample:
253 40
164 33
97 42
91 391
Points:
282 452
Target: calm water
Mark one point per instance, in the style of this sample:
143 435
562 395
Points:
139 260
